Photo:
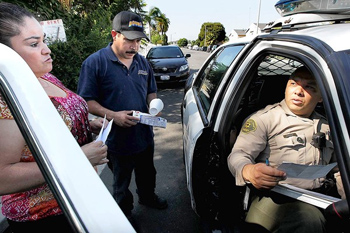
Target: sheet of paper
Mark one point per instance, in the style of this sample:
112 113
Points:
309 172
103 135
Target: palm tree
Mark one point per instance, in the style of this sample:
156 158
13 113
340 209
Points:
150 18
137 6
162 24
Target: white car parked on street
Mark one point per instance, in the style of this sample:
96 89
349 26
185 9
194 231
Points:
243 76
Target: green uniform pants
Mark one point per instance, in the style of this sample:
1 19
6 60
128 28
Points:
294 216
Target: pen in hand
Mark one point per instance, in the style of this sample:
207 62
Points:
284 177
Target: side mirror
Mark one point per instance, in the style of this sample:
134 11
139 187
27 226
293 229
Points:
187 55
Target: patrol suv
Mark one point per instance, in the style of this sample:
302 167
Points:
246 75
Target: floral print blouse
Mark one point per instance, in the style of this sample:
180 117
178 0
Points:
39 202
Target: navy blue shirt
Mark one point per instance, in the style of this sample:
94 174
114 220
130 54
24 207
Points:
105 79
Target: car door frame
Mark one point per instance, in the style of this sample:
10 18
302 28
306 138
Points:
194 115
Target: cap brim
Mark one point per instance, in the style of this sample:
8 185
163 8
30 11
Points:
133 35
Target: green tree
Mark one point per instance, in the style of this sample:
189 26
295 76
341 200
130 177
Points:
158 25
156 38
196 42
211 33
87 24
150 19
137 7
43 10
162 27
182 42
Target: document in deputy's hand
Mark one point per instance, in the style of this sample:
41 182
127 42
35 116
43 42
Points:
309 172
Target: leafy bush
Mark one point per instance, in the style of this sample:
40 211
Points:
69 56
84 37
87 26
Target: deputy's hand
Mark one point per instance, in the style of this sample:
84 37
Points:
96 152
262 176
124 119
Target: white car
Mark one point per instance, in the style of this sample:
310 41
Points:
243 76
83 197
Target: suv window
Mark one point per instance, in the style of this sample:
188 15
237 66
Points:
209 81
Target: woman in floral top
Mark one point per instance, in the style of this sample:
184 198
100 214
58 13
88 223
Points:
27 201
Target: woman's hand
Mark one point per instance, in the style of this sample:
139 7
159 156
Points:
96 152
97 124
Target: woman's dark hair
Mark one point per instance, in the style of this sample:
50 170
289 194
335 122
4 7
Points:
11 18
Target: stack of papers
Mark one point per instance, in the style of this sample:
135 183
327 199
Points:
148 119
103 135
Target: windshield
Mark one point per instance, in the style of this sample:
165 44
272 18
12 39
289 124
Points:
165 52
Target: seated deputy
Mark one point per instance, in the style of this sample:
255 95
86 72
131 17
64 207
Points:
279 133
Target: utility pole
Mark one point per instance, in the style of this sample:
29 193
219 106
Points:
257 24
205 35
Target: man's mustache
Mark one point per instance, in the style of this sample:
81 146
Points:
131 52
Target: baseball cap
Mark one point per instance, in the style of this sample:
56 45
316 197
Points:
129 24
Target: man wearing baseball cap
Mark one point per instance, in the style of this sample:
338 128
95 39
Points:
115 81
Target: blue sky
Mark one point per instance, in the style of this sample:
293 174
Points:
187 16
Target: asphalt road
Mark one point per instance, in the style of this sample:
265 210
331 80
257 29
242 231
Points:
168 158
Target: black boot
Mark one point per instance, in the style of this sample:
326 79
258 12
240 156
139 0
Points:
154 202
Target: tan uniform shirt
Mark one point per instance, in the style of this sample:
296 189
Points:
281 136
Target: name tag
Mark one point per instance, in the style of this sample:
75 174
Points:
142 72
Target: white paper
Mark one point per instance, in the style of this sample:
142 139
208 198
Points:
309 172
148 119
103 135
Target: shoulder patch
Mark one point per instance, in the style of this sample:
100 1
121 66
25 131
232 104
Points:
249 126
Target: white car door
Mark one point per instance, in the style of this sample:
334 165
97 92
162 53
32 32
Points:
200 99
77 187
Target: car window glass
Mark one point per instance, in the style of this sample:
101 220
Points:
277 65
211 77
165 52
